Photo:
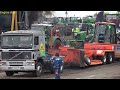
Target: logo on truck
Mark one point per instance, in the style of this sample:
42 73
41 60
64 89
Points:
42 49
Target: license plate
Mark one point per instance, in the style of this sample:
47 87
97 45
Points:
15 68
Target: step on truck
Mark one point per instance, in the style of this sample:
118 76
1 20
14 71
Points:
23 51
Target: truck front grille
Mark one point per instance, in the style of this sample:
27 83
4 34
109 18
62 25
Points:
16 63
15 55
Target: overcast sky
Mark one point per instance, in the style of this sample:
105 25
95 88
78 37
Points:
75 13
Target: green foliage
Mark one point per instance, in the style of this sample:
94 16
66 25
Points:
88 20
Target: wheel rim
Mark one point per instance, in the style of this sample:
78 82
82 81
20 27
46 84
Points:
89 60
104 59
111 58
39 69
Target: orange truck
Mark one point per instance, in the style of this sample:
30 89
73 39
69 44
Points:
103 50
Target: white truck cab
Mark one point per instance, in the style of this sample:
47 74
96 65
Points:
22 50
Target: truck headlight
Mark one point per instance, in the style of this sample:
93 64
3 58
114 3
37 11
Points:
30 63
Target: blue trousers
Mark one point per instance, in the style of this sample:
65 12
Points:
57 76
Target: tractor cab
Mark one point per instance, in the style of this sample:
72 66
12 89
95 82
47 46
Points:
105 32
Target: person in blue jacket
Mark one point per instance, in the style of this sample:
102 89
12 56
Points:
57 65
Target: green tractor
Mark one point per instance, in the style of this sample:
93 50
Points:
89 20
67 37
85 32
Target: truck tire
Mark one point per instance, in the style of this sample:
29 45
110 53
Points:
82 59
87 61
39 69
104 59
9 73
110 58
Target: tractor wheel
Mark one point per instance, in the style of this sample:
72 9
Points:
87 61
104 59
57 44
110 58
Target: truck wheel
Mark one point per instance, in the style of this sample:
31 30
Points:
9 73
87 61
110 58
61 68
104 59
39 69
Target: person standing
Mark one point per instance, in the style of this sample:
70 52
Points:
57 65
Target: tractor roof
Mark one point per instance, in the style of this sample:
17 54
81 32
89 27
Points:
106 23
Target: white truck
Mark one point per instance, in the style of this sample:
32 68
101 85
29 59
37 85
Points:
22 51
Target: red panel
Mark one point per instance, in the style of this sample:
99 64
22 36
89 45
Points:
98 46
70 54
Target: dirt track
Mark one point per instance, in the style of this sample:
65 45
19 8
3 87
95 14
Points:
109 71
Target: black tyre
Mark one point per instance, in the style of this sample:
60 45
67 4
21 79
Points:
87 61
39 69
110 58
9 73
104 59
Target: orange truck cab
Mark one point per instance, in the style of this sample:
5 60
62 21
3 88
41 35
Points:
104 49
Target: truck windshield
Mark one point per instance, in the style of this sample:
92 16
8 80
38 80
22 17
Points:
101 29
106 30
17 41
